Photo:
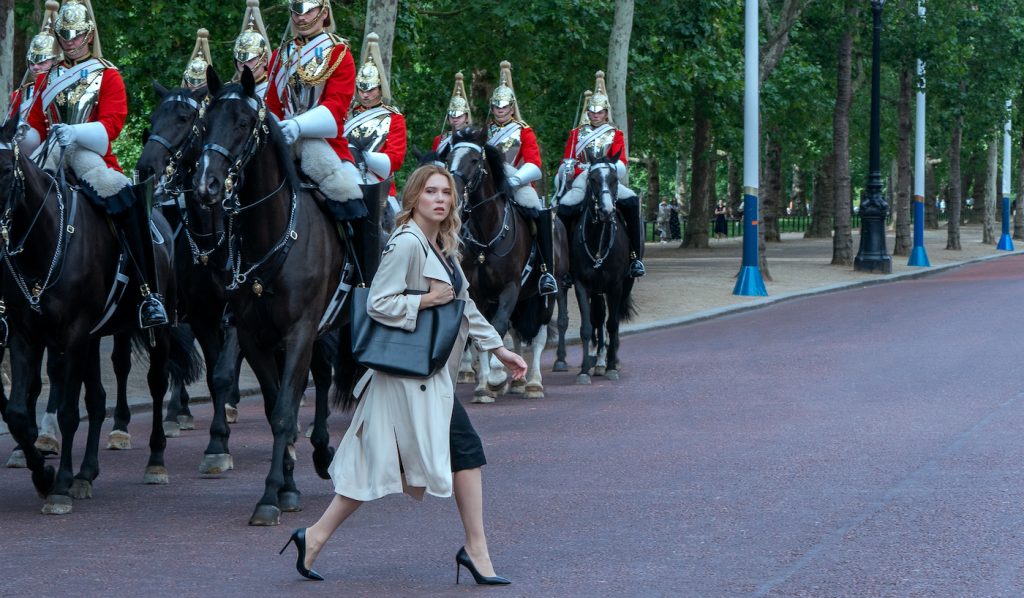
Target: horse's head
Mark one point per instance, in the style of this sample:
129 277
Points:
174 129
602 184
8 153
236 123
475 166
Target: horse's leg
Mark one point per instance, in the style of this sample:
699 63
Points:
121 359
598 316
17 458
517 387
186 421
482 394
507 300
217 457
170 421
264 366
228 371
296 361
26 362
69 379
563 325
467 375
157 377
615 300
96 408
323 454
47 441
586 332
534 382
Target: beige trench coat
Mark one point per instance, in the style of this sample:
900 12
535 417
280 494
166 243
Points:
400 418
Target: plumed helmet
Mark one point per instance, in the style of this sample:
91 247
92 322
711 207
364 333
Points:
253 41
44 46
195 72
599 100
300 8
505 93
76 18
372 74
459 104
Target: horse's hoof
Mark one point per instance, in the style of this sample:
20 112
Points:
560 366
17 459
599 370
534 391
231 412
483 398
119 440
81 489
215 464
47 445
265 515
172 429
322 459
44 480
186 422
518 387
156 475
583 379
612 374
57 504
290 501
467 377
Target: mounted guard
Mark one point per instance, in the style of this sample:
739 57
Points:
252 47
375 129
42 52
518 143
597 136
81 103
459 115
194 76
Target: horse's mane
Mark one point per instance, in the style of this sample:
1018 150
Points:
281 149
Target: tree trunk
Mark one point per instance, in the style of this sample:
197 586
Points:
988 229
1018 212
771 188
696 234
974 187
931 211
380 19
842 241
734 186
618 64
904 171
682 198
653 189
7 80
955 182
823 203
799 192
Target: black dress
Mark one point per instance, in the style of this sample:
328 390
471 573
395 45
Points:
721 228
464 443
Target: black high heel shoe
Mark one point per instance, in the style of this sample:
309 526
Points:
299 538
462 558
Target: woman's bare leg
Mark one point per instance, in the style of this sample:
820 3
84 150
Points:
469 495
318 534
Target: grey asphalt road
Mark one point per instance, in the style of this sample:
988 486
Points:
860 443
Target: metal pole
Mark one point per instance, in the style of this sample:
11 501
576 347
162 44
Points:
1006 240
873 256
918 255
749 282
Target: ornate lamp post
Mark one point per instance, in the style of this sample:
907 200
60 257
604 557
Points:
873 256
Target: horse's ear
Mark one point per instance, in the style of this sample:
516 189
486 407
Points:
248 82
212 80
201 93
145 135
416 151
160 89
10 128
616 157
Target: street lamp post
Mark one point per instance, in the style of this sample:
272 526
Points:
1006 240
873 256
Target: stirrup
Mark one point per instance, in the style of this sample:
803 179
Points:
547 285
636 269
152 312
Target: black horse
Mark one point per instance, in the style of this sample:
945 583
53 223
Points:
286 259
171 149
495 236
600 267
61 258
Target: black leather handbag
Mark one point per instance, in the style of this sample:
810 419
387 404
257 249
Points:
419 353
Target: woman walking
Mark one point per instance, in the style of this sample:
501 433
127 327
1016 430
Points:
399 438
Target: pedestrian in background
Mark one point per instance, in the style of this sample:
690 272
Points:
664 213
399 438
721 226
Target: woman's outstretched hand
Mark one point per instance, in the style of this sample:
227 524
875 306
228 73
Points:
512 362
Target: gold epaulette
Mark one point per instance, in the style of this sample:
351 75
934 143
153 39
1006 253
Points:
107 64
391 109
522 123
338 40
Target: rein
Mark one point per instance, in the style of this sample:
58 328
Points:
472 186
609 227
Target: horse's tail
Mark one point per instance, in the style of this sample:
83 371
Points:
346 371
184 363
627 306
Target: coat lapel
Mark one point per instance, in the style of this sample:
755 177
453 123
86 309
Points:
432 267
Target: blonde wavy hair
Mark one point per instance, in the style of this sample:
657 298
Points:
448 236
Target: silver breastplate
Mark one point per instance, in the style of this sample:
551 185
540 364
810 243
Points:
307 82
510 145
602 143
373 133
75 104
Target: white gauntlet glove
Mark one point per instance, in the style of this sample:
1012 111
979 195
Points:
290 131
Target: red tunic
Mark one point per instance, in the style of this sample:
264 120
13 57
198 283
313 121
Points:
111 110
529 151
336 96
14 105
618 145
394 144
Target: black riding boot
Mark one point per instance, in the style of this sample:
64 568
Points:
569 222
134 225
368 241
546 285
631 213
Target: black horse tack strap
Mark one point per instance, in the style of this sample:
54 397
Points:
116 293
338 299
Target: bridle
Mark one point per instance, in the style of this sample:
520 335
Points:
471 185
170 183
609 224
